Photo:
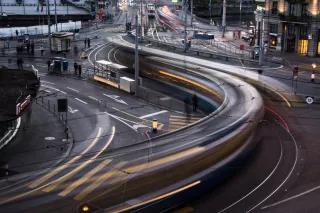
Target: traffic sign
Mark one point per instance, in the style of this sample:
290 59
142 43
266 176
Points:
62 105
309 100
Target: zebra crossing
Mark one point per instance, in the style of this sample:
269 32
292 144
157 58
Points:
177 121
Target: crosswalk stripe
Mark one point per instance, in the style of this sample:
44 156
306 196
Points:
64 166
84 179
90 188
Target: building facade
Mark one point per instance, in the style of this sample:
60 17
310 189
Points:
292 26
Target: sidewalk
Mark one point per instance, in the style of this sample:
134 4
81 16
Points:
40 143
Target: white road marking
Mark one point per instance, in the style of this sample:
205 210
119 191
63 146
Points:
72 110
53 88
122 121
48 91
153 114
115 98
75 90
257 187
288 176
93 98
48 82
292 197
81 101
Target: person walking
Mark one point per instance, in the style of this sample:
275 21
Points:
313 75
48 63
75 66
41 50
17 33
85 43
195 102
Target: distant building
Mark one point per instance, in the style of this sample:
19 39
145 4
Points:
213 8
293 26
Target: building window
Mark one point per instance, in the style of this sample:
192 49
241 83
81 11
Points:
274 9
303 46
303 32
273 28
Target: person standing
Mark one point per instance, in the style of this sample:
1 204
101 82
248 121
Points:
313 75
88 42
32 48
85 43
79 70
48 63
17 33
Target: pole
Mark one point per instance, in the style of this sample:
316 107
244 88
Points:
240 13
185 26
136 59
261 51
191 12
224 17
49 30
55 15
141 21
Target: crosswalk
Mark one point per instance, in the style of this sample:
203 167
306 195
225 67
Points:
177 121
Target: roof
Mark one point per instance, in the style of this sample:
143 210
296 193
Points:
110 64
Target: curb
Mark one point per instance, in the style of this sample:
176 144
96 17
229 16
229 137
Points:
11 134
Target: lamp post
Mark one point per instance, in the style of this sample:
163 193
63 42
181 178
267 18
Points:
224 8
136 58
49 30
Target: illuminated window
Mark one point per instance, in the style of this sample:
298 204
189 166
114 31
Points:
303 47
318 50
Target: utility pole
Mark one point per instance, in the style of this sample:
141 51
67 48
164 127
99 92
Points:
261 44
55 15
49 30
191 12
136 58
240 13
224 17
141 13
185 26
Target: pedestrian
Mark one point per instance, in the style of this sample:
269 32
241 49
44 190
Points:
32 48
85 43
195 102
41 50
79 70
312 76
28 47
17 33
48 63
75 66
88 42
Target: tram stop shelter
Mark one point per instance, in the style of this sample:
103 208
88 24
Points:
61 41
108 72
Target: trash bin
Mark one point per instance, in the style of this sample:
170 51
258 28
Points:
65 66
57 66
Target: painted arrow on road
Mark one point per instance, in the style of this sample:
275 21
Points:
72 110
116 98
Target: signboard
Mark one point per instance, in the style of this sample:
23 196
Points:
62 105
309 100
21 106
